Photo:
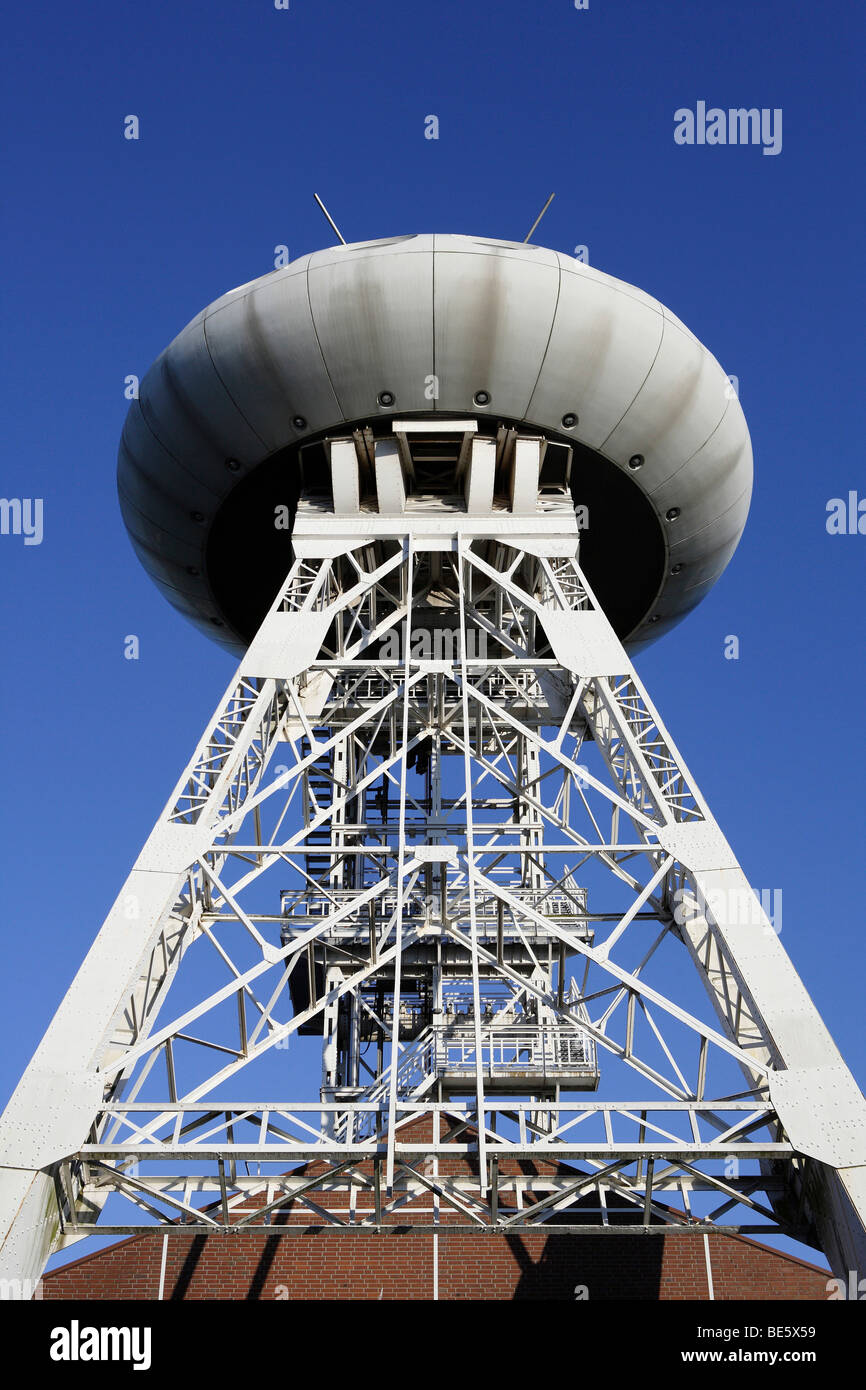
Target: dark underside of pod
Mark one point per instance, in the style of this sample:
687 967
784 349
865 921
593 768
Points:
249 550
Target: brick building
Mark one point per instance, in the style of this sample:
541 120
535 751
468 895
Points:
299 1256
401 1266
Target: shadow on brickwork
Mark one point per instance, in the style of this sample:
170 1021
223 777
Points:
263 1268
597 1268
188 1269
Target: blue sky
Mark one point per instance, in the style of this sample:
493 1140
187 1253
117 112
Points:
111 246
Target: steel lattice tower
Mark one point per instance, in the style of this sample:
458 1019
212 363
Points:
432 489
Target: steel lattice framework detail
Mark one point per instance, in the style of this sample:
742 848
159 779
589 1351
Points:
437 825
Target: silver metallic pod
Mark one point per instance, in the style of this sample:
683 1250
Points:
454 325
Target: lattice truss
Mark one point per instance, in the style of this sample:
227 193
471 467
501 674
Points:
453 872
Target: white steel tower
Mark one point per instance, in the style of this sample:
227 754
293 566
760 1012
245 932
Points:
433 491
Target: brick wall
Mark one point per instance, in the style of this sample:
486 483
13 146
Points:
291 1261
325 1265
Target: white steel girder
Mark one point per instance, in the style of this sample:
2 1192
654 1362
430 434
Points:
424 789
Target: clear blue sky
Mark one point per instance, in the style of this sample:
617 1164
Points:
111 246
